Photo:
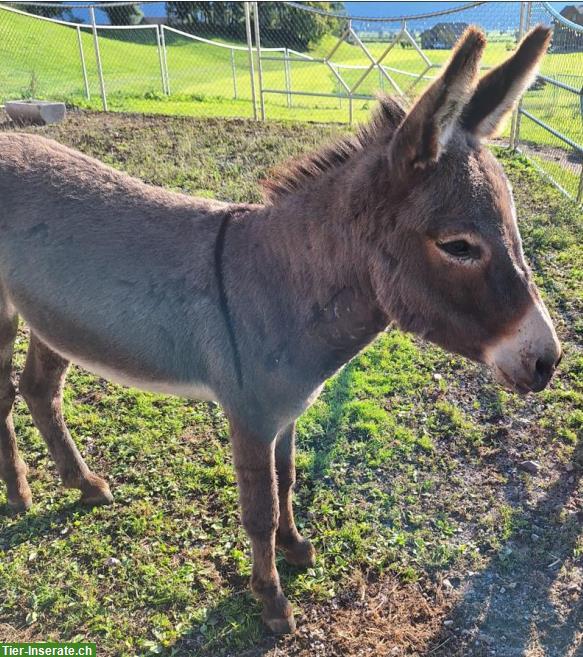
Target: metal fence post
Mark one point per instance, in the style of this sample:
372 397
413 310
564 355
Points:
165 57
515 125
250 52
528 15
234 72
98 58
83 66
580 190
160 59
287 74
259 66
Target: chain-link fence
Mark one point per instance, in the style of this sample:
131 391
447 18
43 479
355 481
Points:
358 56
287 60
166 64
549 126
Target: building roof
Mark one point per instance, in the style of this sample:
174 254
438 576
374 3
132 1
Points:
451 26
573 13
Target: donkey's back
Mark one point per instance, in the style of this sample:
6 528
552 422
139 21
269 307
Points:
33 169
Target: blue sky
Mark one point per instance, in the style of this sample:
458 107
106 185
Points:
492 15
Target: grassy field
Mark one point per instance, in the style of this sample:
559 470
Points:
41 59
431 538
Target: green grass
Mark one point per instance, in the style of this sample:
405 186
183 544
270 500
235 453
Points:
403 466
569 180
42 58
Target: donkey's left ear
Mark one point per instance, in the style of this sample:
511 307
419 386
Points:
427 128
500 89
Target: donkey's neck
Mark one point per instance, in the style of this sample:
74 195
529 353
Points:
326 225
316 244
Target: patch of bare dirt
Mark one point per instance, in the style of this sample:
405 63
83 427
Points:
11 634
568 158
527 601
385 617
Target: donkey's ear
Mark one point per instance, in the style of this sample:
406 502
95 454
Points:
500 89
424 133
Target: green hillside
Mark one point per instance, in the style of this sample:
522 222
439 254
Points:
42 59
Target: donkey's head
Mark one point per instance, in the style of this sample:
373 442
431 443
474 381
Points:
451 266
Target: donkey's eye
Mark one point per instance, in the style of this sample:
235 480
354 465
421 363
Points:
460 249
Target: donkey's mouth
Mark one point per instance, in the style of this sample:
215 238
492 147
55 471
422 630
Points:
508 382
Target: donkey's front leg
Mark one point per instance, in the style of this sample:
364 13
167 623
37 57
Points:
297 550
255 466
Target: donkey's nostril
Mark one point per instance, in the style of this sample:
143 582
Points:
543 370
540 366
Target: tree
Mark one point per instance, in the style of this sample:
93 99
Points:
124 14
282 24
279 22
47 12
220 18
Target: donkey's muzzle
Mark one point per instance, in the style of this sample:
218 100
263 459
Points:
526 359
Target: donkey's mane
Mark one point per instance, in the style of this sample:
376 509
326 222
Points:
294 175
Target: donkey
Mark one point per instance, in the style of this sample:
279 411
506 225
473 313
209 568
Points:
410 222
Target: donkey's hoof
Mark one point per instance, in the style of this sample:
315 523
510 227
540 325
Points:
285 625
95 491
277 613
301 554
19 505
19 499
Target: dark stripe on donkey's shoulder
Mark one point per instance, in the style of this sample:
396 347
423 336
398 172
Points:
223 299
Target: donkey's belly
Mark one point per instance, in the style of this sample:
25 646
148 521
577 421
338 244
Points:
189 389
137 376
158 352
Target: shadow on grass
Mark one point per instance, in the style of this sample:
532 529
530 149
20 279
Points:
33 524
340 393
234 622
233 627
510 607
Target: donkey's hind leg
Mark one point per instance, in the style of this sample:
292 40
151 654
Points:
41 385
296 550
13 470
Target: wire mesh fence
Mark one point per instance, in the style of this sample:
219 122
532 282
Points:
358 56
162 65
287 60
551 113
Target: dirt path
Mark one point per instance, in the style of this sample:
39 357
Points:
527 603
565 157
